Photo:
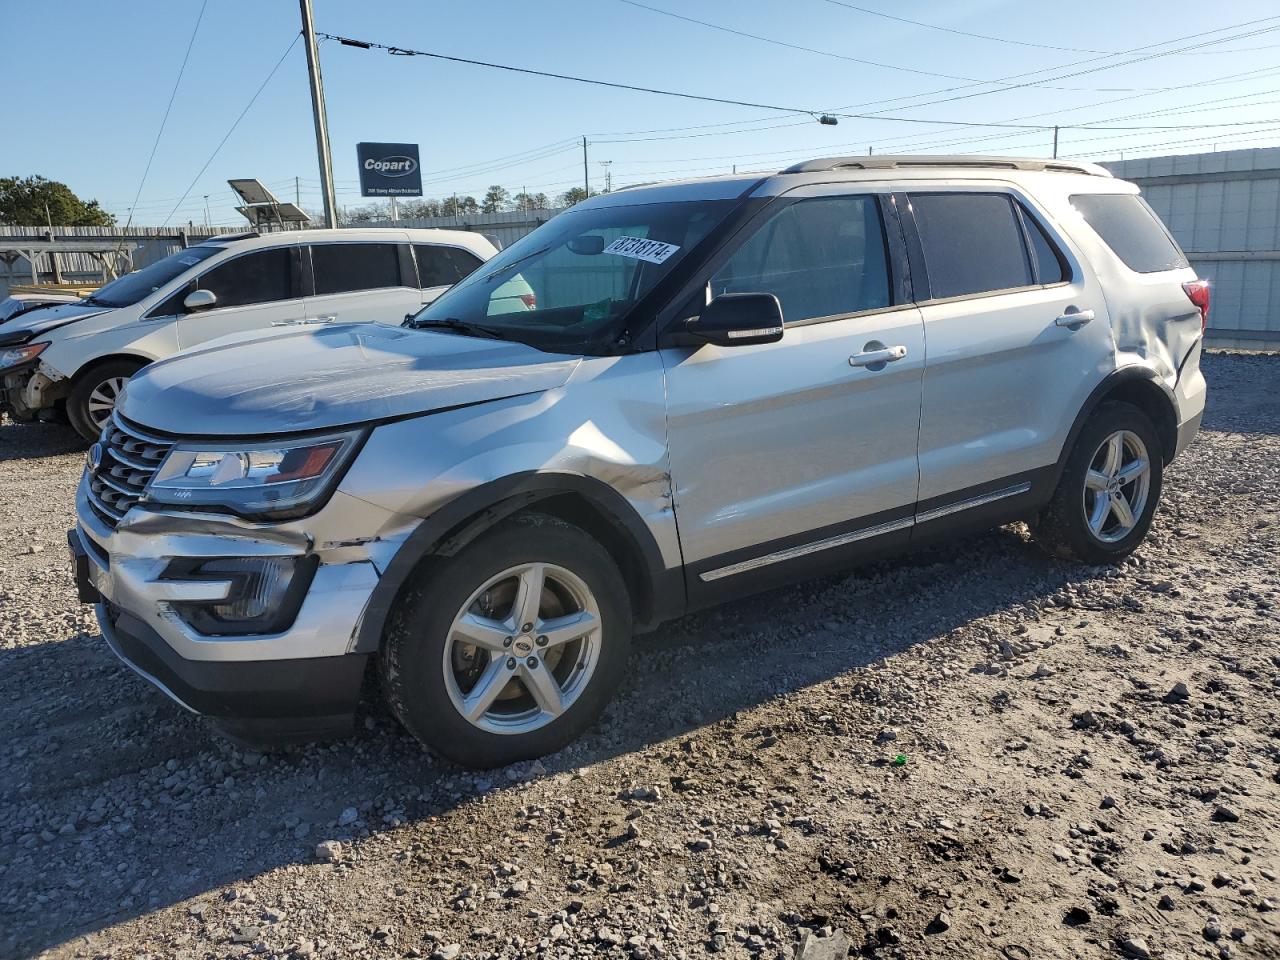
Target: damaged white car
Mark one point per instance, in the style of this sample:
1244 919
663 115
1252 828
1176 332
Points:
73 359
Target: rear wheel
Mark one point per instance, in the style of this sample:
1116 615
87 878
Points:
511 648
1109 489
93 397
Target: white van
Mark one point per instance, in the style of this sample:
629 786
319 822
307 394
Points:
80 355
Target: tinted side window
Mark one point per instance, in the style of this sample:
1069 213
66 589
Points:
172 306
1132 230
820 257
340 267
262 277
972 243
1049 264
443 266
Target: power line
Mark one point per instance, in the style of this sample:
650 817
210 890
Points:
227 136
962 33
182 69
409 52
1112 66
793 46
871 103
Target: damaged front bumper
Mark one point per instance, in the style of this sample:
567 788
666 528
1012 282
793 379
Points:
155 601
27 390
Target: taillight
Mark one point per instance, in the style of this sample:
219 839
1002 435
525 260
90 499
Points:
1198 294
531 300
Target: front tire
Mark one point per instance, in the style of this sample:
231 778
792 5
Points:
93 397
1109 489
511 648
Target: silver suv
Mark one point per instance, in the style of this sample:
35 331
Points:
717 386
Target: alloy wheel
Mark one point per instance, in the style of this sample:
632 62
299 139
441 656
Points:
1116 486
523 648
102 401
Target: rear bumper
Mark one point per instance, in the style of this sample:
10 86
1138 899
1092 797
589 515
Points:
1187 431
297 699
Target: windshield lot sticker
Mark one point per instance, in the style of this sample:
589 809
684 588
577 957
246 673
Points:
638 248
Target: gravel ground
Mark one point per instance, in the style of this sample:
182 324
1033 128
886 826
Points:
977 752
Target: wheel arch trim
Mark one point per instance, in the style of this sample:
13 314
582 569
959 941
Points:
1123 380
457 523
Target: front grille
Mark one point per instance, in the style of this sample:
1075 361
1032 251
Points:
130 457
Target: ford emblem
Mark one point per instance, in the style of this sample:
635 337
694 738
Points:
93 459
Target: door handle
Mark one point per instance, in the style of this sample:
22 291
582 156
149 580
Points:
881 356
1074 319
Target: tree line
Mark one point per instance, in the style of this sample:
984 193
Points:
497 199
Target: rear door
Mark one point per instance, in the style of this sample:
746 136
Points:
1017 336
440 267
255 291
786 456
362 282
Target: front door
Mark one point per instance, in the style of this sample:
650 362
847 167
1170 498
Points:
255 291
787 457
1018 335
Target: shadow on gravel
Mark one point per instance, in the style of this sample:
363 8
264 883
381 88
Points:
29 441
114 802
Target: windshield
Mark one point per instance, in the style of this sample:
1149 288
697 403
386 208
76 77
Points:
577 275
132 287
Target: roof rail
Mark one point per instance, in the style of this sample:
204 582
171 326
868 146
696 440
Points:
826 164
230 237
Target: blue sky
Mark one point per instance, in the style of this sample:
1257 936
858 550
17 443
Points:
98 76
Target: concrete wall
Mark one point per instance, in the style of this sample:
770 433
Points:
1224 209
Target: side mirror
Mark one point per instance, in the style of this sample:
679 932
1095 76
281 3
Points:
738 320
198 300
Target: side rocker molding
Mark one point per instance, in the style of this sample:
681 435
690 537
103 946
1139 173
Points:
661 595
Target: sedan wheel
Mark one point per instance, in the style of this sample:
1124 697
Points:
102 400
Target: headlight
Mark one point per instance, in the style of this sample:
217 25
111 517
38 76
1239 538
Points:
274 480
17 356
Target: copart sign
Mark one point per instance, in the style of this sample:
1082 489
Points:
389 170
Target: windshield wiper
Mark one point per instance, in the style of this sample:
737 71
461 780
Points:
458 326
96 301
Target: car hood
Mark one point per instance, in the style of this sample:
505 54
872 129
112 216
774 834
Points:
308 379
43 319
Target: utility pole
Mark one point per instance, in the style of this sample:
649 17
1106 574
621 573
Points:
586 176
1055 142
395 212
206 211
318 112
608 175
297 192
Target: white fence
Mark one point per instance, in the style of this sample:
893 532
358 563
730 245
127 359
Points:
154 244
158 242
